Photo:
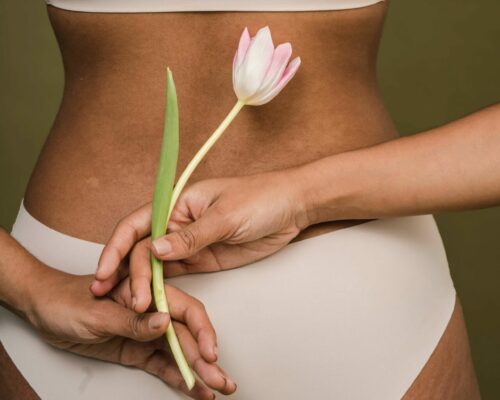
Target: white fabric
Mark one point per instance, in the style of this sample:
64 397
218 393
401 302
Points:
207 5
351 314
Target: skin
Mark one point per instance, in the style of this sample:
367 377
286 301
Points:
66 315
98 164
226 223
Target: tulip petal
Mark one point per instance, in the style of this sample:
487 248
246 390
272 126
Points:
251 72
287 75
239 55
242 47
281 56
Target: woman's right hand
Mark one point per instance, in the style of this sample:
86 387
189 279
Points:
216 224
69 317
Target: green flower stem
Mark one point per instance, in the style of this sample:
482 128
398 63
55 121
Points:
162 306
202 152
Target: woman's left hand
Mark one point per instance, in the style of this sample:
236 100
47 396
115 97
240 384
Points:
217 224
67 316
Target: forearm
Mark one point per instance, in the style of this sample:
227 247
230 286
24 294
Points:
18 271
452 167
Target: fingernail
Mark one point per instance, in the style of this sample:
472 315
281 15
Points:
227 380
157 320
134 303
162 247
215 351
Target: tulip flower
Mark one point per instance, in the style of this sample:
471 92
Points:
260 72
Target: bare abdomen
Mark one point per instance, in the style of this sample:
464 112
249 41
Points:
99 162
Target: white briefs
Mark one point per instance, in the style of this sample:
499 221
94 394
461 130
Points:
350 315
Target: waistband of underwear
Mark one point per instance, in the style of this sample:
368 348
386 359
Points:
68 247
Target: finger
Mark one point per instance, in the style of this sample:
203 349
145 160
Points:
202 261
151 357
211 227
121 294
120 321
192 313
128 231
140 276
174 226
175 268
162 365
210 373
101 288
223 256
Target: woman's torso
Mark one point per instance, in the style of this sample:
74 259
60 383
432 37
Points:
99 161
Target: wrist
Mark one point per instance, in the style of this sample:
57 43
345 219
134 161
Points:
37 284
326 190
296 178
22 299
20 272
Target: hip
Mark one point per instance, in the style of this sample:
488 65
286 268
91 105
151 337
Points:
354 313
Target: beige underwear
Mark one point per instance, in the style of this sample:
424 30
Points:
351 314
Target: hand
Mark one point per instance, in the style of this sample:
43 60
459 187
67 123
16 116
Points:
216 224
69 317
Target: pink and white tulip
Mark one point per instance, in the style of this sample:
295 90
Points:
261 71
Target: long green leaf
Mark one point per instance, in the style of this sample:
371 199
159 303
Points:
162 198
165 176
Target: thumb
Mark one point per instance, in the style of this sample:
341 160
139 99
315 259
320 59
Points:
139 327
208 229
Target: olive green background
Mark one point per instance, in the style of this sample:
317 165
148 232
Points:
439 61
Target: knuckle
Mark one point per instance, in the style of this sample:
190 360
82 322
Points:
93 327
198 364
129 229
199 305
227 221
122 224
144 243
186 194
221 212
125 357
163 371
138 248
127 360
115 252
187 239
135 322
194 307
240 229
